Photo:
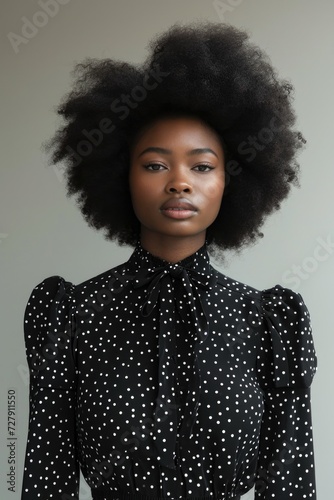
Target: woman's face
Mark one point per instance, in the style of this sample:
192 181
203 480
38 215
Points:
177 178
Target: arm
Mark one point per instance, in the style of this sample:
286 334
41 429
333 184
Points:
51 466
287 364
286 461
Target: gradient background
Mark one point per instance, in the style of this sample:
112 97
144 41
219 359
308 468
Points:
42 233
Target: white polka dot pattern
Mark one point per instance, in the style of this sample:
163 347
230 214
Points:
168 381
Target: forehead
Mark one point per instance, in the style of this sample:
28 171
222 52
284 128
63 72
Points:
177 129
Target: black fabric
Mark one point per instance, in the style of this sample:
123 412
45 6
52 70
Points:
106 496
165 380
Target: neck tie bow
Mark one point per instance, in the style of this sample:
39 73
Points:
169 288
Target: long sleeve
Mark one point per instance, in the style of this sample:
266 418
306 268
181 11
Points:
287 363
51 466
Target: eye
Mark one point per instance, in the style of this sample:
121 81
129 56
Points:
154 166
203 168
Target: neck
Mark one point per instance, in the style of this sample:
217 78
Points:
172 249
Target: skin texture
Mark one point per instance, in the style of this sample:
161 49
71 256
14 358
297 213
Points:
167 166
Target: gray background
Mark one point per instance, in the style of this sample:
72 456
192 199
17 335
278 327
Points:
42 233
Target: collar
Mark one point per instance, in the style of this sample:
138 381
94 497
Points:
198 261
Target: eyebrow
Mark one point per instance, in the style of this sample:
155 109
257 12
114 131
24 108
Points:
196 151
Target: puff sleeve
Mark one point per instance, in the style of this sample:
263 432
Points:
51 467
286 364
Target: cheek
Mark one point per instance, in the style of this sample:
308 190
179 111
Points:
142 196
215 190
142 192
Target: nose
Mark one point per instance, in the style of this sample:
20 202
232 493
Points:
178 184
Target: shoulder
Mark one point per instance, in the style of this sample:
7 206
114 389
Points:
50 300
288 337
112 279
280 319
238 289
54 289
273 302
49 332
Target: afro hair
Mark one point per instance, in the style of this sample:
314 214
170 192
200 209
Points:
208 70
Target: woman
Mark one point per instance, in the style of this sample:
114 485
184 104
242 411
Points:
162 377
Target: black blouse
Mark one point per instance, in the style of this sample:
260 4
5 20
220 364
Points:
168 381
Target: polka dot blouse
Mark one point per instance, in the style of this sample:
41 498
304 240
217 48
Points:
168 381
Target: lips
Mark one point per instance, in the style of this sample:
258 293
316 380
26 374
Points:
178 204
178 209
